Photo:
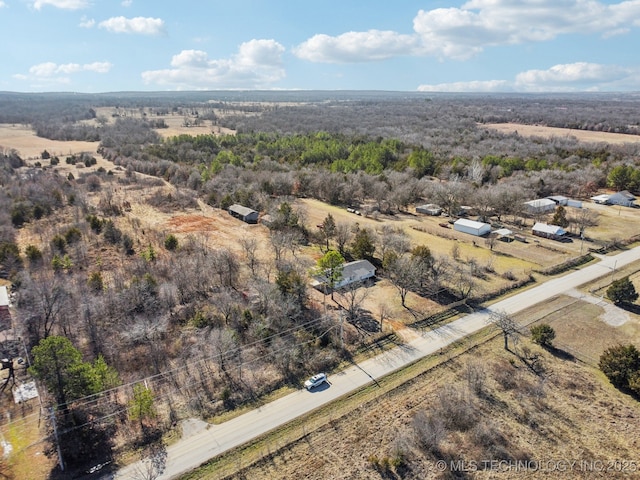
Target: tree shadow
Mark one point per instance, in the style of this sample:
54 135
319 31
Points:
560 354
365 321
629 307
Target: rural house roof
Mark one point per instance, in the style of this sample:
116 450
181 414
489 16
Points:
357 269
625 194
548 229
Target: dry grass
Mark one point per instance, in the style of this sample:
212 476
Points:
30 147
341 446
567 413
548 132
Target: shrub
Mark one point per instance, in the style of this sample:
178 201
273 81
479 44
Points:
112 234
59 243
542 334
95 223
19 215
72 235
622 291
171 242
33 253
96 283
430 431
127 244
620 364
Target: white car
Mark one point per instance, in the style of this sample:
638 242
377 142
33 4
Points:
316 380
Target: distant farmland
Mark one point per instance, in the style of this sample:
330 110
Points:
548 132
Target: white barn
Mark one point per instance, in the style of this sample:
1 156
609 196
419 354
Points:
472 227
540 205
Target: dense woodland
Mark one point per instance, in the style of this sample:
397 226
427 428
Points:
210 329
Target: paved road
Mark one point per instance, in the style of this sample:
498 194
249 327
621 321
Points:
191 452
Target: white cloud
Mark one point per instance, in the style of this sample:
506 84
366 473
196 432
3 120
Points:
571 77
2 4
50 69
356 46
138 25
63 4
473 86
579 76
86 22
258 64
127 3
462 32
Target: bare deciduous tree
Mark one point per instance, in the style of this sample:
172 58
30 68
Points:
507 325
343 237
250 248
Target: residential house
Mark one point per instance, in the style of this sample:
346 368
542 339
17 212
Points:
553 232
623 198
352 272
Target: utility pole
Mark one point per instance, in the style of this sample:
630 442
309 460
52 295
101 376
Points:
55 435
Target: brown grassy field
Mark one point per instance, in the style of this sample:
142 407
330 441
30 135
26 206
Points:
343 449
30 147
548 132
567 412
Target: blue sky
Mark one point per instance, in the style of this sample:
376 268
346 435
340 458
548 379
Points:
407 45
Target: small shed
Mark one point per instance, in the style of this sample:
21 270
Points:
472 227
429 209
503 234
548 231
245 214
623 198
540 205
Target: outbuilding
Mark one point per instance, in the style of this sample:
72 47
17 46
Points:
503 234
540 205
559 200
472 227
245 214
429 209
548 231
